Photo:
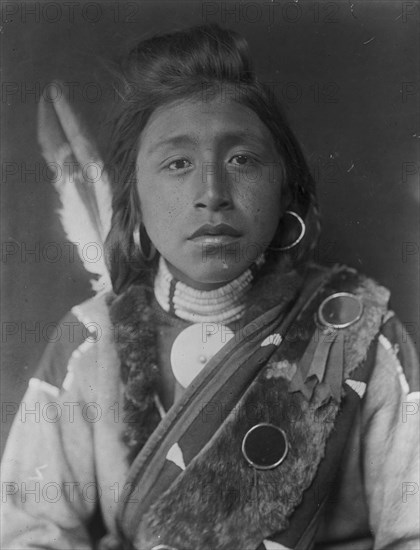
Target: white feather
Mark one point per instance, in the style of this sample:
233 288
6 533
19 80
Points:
80 230
87 156
81 183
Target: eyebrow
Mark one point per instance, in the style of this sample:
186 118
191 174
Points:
227 138
176 141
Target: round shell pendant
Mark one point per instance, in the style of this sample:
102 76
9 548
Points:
194 347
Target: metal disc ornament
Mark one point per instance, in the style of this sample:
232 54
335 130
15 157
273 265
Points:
265 446
194 347
340 310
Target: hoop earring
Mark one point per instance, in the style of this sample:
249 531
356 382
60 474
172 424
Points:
143 242
298 239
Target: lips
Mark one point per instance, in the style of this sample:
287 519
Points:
214 231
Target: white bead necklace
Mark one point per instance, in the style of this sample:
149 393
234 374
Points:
224 304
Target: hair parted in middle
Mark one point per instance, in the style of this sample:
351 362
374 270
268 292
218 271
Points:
199 62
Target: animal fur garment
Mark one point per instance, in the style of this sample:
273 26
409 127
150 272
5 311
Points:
219 501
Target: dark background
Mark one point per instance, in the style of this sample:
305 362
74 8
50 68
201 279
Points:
348 76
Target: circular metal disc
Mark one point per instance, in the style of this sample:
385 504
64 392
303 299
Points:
265 446
340 310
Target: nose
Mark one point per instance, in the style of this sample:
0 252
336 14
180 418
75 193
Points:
214 190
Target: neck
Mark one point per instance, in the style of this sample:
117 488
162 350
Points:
222 304
195 285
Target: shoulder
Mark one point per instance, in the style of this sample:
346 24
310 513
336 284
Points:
395 368
341 293
347 278
94 310
396 356
395 347
346 297
83 329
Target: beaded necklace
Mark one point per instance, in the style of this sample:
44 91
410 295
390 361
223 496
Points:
221 305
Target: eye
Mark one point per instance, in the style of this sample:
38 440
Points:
240 160
179 164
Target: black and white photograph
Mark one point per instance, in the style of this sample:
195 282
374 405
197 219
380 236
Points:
210 260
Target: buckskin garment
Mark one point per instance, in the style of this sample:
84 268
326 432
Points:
345 399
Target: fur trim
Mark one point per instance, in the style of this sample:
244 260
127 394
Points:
135 340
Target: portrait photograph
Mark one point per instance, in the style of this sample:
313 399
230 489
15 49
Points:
210 259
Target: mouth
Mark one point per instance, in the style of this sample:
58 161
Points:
215 233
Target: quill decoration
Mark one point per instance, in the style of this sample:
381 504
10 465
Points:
80 180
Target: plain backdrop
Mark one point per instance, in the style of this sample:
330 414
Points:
347 73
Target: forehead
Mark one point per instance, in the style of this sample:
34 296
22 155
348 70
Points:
204 121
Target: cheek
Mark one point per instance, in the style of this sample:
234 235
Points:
266 222
160 211
264 205
152 205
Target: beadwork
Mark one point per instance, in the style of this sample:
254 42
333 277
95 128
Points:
224 304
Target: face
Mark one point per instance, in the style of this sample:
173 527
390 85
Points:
210 184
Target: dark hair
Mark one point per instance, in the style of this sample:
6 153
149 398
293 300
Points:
193 62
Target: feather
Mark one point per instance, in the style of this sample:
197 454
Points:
81 182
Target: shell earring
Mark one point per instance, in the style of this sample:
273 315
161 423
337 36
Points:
142 241
302 231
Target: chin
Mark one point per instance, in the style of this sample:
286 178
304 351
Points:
218 272
206 273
